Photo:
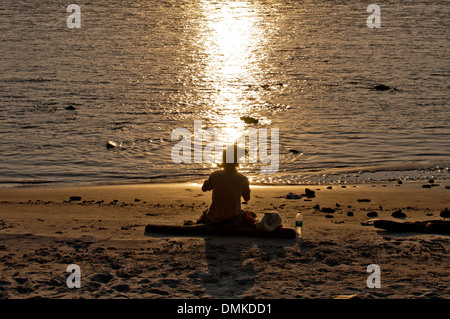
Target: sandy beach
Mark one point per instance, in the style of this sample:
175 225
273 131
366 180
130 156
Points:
42 232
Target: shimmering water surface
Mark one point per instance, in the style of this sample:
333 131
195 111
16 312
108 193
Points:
138 69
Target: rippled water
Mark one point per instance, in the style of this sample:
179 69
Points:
137 70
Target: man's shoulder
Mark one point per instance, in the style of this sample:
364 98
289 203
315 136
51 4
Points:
242 177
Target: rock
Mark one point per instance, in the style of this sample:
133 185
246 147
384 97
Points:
75 198
381 87
447 187
293 196
431 181
249 120
316 207
329 216
111 144
293 151
445 213
372 214
363 200
310 193
350 214
70 108
399 182
327 210
426 186
399 214
329 187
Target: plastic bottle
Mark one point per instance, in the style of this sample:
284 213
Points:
298 225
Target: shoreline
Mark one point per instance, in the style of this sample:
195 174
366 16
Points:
409 172
42 231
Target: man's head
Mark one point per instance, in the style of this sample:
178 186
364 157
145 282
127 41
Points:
231 156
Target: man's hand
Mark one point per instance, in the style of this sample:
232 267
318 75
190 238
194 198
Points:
206 186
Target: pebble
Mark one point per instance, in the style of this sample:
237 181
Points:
292 196
381 87
309 193
249 120
111 144
327 210
398 214
445 213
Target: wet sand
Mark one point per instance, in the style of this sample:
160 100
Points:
42 231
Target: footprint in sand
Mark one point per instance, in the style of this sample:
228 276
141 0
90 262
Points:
122 288
102 278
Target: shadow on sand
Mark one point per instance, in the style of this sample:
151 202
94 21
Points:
233 264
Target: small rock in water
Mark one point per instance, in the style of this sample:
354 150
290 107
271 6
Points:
249 120
111 144
363 200
70 108
381 87
327 210
75 198
398 214
350 214
293 151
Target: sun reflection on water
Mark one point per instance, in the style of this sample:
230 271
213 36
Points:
231 44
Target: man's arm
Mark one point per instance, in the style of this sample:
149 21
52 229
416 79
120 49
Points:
246 191
208 184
